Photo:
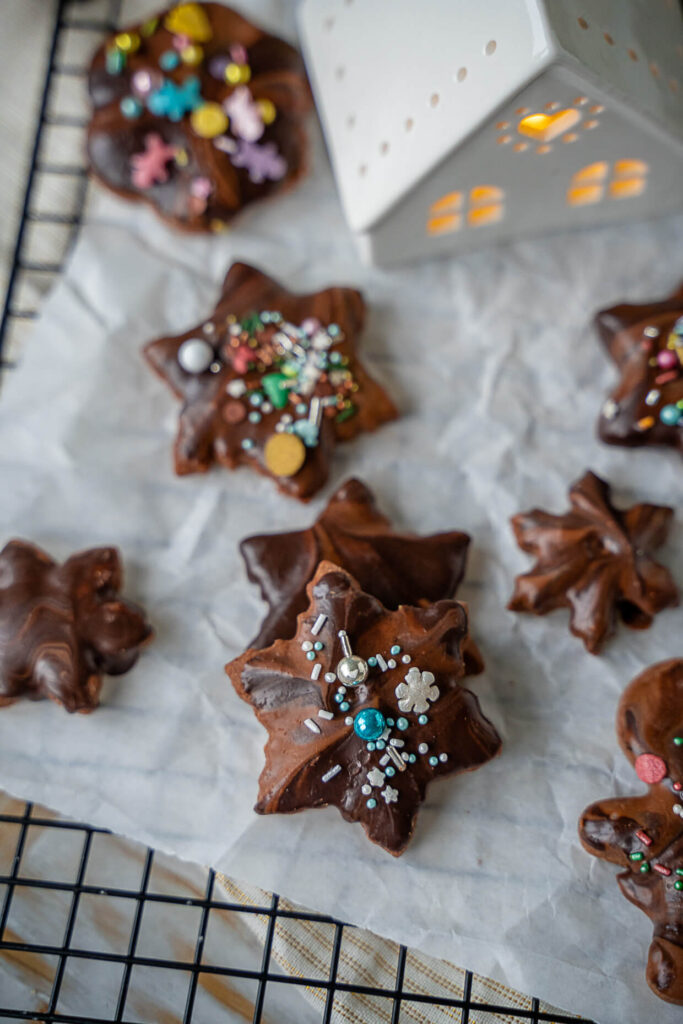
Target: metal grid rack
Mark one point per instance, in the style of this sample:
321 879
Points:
73 17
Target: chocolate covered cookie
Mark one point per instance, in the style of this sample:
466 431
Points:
596 561
364 708
646 343
62 627
644 834
396 568
198 113
272 381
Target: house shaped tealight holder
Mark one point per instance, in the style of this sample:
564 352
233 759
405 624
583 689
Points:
453 123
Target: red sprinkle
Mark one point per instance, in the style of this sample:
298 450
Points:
664 377
678 786
661 869
650 768
644 838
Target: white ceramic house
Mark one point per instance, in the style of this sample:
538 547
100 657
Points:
452 123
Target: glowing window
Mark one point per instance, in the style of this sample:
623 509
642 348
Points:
485 205
592 184
594 172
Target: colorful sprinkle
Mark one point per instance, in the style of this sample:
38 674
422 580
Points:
372 803
331 773
650 768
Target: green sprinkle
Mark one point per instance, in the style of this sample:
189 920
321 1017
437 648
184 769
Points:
274 386
346 414
252 323
679 871
678 885
678 741
645 868
636 856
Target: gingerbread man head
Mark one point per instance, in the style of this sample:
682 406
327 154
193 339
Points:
644 834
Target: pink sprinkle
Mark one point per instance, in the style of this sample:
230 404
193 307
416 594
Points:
650 768
667 359
664 377
181 42
678 786
149 167
241 359
201 187
662 869
644 838
238 53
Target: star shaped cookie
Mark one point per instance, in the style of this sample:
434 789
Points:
363 708
63 626
596 561
646 344
271 380
644 834
198 113
396 568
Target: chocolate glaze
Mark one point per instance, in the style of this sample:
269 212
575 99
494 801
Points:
63 626
631 415
396 568
277 74
649 719
206 436
278 684
596 561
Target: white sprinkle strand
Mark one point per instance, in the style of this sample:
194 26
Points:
332 772
330 677
327 715
394 755
381 662
310 724
396 743
316 670
318 624
384 759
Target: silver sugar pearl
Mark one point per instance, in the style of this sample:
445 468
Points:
352 670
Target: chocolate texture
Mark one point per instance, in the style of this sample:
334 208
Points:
363 708
644 834
396 568
596 561
271 380
646 344
62 627
198 113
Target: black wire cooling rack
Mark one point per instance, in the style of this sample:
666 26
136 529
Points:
97 18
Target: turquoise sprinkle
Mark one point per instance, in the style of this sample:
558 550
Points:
395 649
389 770
370 745
334 330
256 398
169 60
371 803
130 107
335 357
380 744
670 415
310 655
248 444
423 719
115 61
390 721
301 408
402 724
318 645
254 417
339 697
412 758
433 761
372 662
344 706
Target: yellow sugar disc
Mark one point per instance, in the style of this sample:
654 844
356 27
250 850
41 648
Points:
189 20
268 111
209 120
192 55
284 454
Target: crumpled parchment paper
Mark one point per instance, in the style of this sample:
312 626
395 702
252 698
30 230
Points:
500 378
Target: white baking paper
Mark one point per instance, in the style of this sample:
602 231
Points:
499 377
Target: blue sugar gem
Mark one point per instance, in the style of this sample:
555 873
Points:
169 60
390 722
433 761
310 655
369 724
389 770
344 706
396 649
318 645
371 803
130 107
402 724
423 719
380 744
372 661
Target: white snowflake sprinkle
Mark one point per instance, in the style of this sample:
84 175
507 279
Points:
415 693
376 778
390 795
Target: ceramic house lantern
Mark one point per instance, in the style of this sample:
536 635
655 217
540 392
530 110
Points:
452 123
